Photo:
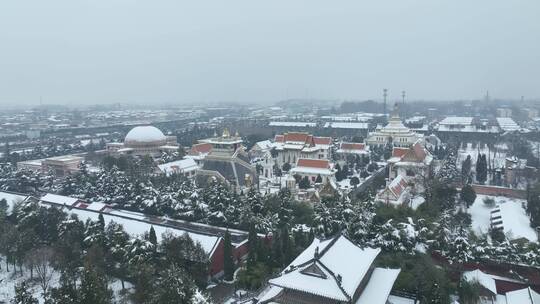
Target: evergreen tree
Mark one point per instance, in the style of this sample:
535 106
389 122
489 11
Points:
23 295
66 293
253 244
173 287
355 181
481 168
318 179
228 263
304 183
101 222
466 169
152 236
94 288
468 195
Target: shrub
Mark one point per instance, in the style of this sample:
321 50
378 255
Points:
489 202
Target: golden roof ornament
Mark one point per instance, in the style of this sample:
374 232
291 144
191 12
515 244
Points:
226 133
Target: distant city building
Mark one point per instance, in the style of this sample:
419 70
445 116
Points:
394 133
504 112
59 165
144 140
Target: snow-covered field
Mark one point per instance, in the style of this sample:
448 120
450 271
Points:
515 220
8 280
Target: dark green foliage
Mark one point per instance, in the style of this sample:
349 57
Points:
304 183
481 168
152 236
286 167
318 179
468 195
466 169
469 292
23 295
66 293
228 263
183 252
94 288
253 277
355 181
173 286
419 276
533 205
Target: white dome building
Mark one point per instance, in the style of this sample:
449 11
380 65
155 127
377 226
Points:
144 140
145 136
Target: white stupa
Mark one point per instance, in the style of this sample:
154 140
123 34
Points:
394 132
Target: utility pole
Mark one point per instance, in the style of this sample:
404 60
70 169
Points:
385 94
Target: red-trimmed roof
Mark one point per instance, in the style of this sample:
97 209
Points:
416 153
279 138
322 140
200 149
352 146
313 163
399 152
297 137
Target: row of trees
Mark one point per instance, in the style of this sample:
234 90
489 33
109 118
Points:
48 243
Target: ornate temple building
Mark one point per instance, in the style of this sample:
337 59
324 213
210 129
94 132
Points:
225 159
333 271
394 133
295 145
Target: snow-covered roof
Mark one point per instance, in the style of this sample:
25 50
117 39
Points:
379 286
482 278
292 124
347 125
133 223
507 124
523 296
59 199
330 268
456 120
144 134
179 166
12 199
263 145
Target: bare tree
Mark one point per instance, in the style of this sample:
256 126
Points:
41 259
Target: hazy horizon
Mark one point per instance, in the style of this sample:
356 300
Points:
172 52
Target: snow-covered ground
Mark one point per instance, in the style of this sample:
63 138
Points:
515 220
8 280
496 156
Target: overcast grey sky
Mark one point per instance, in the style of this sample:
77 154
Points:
97 51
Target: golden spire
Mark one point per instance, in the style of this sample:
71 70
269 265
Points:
226 133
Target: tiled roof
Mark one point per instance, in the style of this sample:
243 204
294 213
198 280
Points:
352 146
203 148
313 163
322 140
399 152
279 138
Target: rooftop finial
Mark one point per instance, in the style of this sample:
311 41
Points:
226 133
316 256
